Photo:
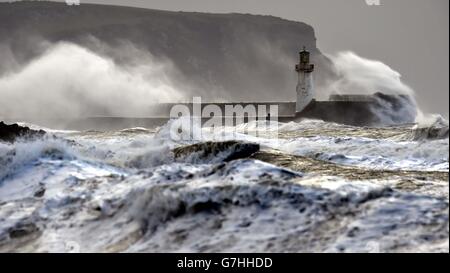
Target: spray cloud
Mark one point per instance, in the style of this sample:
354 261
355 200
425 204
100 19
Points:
358 75
395 100
69 80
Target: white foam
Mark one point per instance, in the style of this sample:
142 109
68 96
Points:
123 191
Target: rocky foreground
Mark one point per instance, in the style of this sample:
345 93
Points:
232 150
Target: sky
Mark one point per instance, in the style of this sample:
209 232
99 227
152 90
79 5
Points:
411 36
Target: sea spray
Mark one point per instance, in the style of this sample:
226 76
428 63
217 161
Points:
70 81
395 102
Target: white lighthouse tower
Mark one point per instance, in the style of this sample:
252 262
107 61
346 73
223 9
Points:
305 86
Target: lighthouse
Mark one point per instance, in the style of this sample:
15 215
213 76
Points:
305 86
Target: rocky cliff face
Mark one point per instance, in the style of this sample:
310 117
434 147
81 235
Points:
223 56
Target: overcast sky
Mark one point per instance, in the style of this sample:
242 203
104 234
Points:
411 36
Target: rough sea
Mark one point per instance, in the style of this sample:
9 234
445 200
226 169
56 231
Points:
307 186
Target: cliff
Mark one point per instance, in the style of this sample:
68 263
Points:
239 56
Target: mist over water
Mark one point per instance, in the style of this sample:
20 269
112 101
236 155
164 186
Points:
302 186
139 190
358 75
122 80
68 80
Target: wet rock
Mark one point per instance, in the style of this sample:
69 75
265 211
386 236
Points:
208 206
317 166
22 230
10 133
229 150
40 192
